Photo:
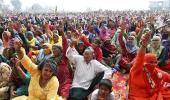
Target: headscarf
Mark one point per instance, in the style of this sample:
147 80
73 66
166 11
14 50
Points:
159 50
59 39
60 56
44 53
150 62
104 33
48 49
23 29
6 42
52 63
5 72
131 46
30 42
33 41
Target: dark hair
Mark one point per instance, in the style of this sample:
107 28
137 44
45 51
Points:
107 83
52 63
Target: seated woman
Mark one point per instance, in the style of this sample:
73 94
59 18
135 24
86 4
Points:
128 52
104 92
159 50
44 83
63 72
56 39
146 81
32 41
20 77
5 72
44 53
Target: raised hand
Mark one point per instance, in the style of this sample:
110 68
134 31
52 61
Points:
18 47
145 39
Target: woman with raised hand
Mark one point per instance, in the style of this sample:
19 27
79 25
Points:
146 81
44 83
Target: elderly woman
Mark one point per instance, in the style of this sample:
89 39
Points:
146 81
44 83
63 73
159 50
5 71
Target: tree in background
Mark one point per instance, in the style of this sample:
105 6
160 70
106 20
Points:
17 5
36 8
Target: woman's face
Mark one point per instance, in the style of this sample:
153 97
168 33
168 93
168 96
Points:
47 72
30 37
156 44
130 40
56 38
56 51
46 49
69 35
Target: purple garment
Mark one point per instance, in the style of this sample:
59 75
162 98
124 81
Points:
104 34
166 44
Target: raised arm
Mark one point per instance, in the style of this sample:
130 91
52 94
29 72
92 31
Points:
139 61
85 41
122 44
72 53
25 60
64 40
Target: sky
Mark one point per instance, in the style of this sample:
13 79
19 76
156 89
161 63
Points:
83 5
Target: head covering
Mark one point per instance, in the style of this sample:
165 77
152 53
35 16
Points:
60 54
5 72
52 63
150 61
23 29
97 41
104 34
133 33
131 46
57 46
29 33
47 50
56 34
156 38
80 43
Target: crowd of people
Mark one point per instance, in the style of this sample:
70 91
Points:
122 55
